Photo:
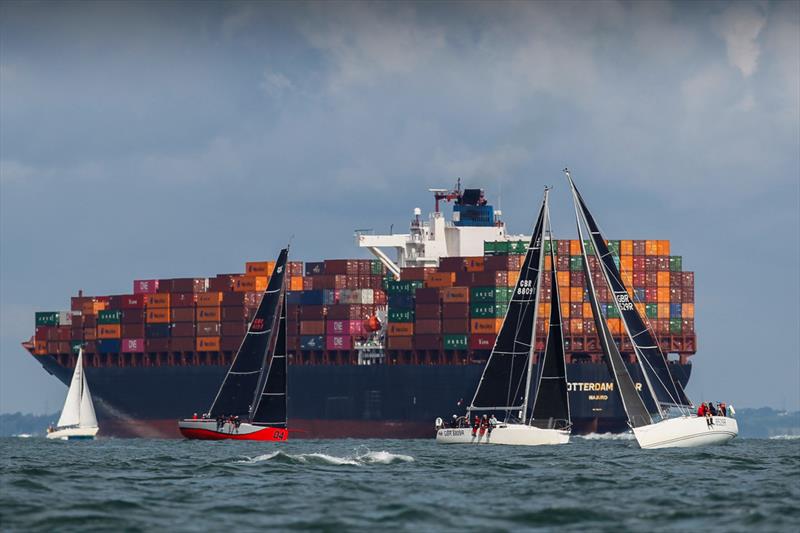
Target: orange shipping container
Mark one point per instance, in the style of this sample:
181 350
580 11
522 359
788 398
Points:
576 294
109 331
160 300
626 264
576 326
208 314
650 247
89 334
548 263
157 316
485 325
663 310
615 326
563 279
440 279
687 310
209 298
564 310
544 310
574 247
513 278
625 248
663 248
587 310
401 328
455 295
259 268
296 283
663 279
207 344
642 309
663 295
92 308
250 283
627 279
474 264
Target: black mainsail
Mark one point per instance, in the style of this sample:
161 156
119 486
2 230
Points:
651 359
270 399
506 377
236 395
551 404
638 414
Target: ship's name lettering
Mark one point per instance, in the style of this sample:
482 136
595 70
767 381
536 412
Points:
452 432
600 386
624 301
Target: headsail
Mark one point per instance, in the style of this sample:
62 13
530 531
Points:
270 406
551 404
631 401
654 365
235 396
503 385
87 417
71 414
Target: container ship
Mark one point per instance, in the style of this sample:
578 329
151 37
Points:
377 347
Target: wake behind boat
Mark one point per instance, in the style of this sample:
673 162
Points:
652 423
251 402
505 385
78 420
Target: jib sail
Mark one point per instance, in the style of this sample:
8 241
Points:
270 402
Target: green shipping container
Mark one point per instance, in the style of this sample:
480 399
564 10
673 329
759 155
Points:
401 315
613 247
376 268
109 317
487 310
487 294
676 263
651 310
489 248
612 311
675 326
75 345
47 319
616 261
550 245
576 263
455 342
502 247
402 287
589 247
519 247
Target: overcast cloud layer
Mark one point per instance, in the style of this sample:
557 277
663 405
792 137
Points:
153 140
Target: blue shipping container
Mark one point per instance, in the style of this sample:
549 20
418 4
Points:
294 297
312 298
401 301
156 331
675 310
312 342
108 345
639 295
315 269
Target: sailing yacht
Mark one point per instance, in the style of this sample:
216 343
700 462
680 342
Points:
251 402
77 420
505 384
667 419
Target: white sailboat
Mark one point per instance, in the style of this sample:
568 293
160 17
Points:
669 421
77 420
505 385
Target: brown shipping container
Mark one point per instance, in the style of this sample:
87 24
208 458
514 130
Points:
427 327
90 334
455 310
157 345
312 312
208 314
453 295
208 329
401 328
412 273
427 296
295 268
474 264
222 282
234 329
231 314
427 342
208 344
455 326
182 299
312 327
401 342
183 329
428 311
687 295
182 314
639 247
451 264
133 331
181 344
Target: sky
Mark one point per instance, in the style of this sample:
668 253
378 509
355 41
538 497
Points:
152 140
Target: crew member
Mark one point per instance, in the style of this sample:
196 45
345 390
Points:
701 411
492 423
475 425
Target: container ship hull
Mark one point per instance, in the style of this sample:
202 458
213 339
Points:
356 401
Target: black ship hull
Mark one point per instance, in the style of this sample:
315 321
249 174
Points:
325 401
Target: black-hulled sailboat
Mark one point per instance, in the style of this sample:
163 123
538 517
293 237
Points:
668 420
505 386
251 402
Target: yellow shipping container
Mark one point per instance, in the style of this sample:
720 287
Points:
485 325
209 298
625 248
109 331
160 300
208 344
650 247
259 268
158 315
548 263
663 279
296 283
687 311
663 247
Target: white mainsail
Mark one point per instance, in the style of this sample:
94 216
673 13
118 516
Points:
78 409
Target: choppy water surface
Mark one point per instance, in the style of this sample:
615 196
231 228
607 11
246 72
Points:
590 484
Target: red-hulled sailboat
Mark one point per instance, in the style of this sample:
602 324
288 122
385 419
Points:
251 402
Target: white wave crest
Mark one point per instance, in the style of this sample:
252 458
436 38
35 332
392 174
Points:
784 437
359 459
607 436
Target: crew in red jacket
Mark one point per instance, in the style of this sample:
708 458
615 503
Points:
701 411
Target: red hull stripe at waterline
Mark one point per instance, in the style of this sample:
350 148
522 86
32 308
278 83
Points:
266 434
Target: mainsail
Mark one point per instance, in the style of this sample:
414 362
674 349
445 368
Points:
270 403
631 401
551 404
503 385
78 409
654 365
235 396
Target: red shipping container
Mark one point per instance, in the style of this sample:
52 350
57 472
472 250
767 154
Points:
431 311
133 301
145 286
481 342
412 273
132 316
158 345
337 327
312 327
427 342
41 333
639 264
451 264
183 329
339 342
427 296
237 329
132 346
182 314
427 327
651 279
455 310
313 312
181 344
401 342
455 326
651 263
688 279
77 302
651 295
231 314
133 331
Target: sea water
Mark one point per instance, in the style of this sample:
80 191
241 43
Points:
594 483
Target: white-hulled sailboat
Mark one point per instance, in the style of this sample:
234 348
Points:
504 388
77 420
670 421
